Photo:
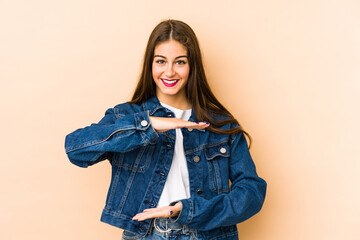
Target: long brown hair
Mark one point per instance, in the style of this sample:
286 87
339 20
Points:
198 92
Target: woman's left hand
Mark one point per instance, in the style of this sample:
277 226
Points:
162 212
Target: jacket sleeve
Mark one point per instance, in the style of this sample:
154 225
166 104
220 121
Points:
114 133
243 201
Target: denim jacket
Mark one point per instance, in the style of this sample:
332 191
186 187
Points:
141 158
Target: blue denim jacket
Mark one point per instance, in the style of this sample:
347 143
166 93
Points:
141 158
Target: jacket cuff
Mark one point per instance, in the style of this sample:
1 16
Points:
143 123
186 214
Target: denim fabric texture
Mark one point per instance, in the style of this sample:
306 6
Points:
165 228
141 158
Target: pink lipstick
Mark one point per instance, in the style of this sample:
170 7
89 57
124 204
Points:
169 82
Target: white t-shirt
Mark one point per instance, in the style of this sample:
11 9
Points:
177 183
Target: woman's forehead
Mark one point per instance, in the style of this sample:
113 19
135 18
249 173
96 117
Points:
170 48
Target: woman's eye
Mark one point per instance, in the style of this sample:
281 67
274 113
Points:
160 61
181 62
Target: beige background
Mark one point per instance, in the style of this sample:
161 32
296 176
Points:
288 70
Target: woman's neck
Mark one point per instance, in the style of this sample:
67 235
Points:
179 102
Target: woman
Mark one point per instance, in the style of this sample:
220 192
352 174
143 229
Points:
173 149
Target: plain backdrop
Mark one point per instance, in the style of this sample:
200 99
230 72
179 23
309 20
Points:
288 71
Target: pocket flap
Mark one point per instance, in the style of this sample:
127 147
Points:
221 149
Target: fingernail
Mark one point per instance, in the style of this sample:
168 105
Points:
171 213
197 122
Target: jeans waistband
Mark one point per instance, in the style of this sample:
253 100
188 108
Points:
167 225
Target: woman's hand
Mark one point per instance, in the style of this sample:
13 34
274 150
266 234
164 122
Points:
162 124
162 212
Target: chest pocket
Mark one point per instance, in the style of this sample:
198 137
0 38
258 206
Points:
218 157
137 160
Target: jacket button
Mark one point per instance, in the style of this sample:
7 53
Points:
161 173
222 150
196 159
150 203
144 123
199 191
190 129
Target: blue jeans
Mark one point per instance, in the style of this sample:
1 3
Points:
163 228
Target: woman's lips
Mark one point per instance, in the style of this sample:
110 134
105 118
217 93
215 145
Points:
169 82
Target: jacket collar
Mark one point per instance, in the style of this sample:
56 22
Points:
152 105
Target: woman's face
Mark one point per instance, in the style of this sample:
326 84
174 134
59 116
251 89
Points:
170 69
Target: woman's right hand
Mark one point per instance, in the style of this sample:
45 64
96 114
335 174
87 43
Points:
161 124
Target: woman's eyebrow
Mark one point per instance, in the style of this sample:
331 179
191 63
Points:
175 58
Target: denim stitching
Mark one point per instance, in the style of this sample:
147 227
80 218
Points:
212 187
141 168
137 236
141 133
167 135
119 115
205 146
192 211
139 157
95 142
214 173
217 174
96 157
155 109
117 214
127 190
211 180
218 153
112 192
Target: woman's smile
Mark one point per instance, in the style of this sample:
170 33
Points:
169 82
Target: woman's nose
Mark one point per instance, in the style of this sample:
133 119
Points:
170 70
